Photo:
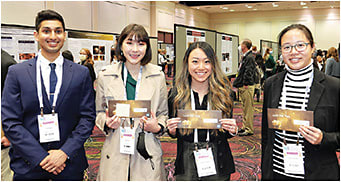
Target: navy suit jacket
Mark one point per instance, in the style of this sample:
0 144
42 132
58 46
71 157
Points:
20 106
320 161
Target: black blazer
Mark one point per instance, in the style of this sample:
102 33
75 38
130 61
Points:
320 161
225 162
247 72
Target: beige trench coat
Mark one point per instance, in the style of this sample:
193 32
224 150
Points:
113 164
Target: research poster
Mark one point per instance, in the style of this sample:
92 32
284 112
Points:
194 36
226 51
98 44
19 43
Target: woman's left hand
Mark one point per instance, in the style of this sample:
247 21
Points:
229 125
150 124
312 134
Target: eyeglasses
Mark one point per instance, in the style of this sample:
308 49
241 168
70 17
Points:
301 46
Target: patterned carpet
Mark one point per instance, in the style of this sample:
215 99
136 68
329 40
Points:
246 150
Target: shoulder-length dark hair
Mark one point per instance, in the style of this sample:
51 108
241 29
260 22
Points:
141 34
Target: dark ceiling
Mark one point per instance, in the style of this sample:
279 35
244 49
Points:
208 3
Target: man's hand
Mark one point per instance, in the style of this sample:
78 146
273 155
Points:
5 142
55 162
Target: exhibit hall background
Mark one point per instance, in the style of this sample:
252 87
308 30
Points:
104 16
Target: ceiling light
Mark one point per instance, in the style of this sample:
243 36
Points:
255 9
331 6
274 5
225 8
231 10
249 7
303 3
198 7
305 7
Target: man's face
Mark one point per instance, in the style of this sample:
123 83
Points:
51 37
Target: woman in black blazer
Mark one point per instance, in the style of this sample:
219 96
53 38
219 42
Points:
302 87
201 85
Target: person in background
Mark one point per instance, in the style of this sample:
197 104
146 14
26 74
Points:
133 78
260 70
270 63
245 82
48 109
113 57
333 63
301 87
162 59
6 173
201 85
68 55
86 60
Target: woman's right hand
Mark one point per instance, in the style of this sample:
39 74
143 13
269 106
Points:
172 125
112 122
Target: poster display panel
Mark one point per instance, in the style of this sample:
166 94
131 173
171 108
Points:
194 36
226 52
19 43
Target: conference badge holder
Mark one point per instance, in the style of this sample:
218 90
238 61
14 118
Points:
48 127
205 162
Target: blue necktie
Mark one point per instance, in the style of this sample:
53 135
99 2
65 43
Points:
53 81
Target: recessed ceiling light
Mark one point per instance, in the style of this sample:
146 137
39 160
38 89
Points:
231 10
255 9
303 3
305 7
225 8
198 7
331 6
274 5
249 7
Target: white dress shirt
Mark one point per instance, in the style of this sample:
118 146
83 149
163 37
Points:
46 69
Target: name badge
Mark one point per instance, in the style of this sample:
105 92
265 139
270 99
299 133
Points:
293 159
127 140
48 128
205 162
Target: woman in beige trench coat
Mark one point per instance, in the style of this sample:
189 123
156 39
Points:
134 53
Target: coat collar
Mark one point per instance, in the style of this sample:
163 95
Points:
316 90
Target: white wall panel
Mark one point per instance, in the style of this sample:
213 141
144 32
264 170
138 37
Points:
111 17
19 12
77 14
327 28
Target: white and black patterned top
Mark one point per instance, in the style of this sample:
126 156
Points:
295 95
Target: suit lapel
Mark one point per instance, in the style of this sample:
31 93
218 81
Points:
67 77
277 85
32 64
316 90
32 71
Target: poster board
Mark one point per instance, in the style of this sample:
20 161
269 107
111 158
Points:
153 45
99 44
184 35
19 42
227 53
274 45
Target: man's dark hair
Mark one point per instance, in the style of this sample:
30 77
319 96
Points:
48 15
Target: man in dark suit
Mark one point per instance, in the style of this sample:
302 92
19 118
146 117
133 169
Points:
245 82
6 173
58 95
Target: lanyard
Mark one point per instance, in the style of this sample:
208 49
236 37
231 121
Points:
196 130
125 75
40 92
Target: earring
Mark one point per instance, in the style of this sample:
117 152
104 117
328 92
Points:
121 53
